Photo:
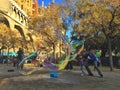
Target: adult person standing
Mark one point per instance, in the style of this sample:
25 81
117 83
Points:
92 58
20 57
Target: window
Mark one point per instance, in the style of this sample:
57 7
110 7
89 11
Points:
21 6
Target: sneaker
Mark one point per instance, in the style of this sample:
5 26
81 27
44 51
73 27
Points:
82 74
91 74
101 75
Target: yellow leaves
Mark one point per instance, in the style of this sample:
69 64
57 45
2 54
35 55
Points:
99 14
3 27
7 36
38 43
96 15
48 20
4 31
117 20
114 3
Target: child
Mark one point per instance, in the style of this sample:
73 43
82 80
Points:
14 62
80 59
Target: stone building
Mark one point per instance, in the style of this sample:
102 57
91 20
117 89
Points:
29 6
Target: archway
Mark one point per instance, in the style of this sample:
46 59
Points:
4 20
20 30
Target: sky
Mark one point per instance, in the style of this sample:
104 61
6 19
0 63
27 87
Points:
47 2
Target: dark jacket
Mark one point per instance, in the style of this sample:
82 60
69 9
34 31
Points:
20 54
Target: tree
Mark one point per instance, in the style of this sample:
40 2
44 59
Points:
8 38
100 16
45 24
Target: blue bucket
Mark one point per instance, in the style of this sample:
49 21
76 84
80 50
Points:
54 74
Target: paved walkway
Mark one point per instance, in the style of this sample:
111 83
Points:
67 80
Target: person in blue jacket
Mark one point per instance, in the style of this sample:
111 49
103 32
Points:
92 58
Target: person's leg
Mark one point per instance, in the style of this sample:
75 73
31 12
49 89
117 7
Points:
18 61
67 66
21 66
82 69
13 64
71 66
87 68
98 70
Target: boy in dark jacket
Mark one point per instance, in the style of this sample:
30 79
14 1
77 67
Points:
92 58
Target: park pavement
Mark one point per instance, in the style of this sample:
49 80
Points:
11 79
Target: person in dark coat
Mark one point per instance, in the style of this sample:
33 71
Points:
20 57
92 58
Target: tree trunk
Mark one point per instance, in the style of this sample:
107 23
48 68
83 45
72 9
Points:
13 48
8 52
68 50
110 54
54 51
104 48
60 49
33 46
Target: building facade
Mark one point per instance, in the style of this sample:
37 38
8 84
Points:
35 7
29 6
